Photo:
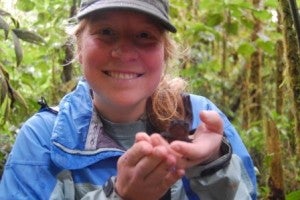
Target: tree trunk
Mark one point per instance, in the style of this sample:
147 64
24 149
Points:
246 98
280 65
67 74
255 72
275 180
255 87
293 64
252 82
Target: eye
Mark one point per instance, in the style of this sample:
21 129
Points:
102 31
144 35
106 32
107 35
147 38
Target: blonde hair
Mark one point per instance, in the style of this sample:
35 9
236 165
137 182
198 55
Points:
166 103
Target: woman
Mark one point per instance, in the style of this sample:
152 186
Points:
106 141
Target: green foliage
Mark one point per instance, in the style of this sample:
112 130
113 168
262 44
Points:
25 5
9 95
217 35
207 28
32 35
293 195
246 49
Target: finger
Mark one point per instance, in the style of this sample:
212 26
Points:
205 144
157 139
148 164
163 168
212 121
189 151
203 148
142 136
133 155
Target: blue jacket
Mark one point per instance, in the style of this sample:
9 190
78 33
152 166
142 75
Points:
49 159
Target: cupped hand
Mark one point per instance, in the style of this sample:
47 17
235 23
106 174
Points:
206 142
146 171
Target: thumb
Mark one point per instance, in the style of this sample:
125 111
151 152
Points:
212 121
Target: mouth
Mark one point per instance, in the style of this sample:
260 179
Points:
122 75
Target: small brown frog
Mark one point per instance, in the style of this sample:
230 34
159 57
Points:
178 130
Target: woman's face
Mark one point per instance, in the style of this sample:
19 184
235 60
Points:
122 55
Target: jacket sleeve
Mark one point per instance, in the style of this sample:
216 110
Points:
66 189
225 175
28 172
238 177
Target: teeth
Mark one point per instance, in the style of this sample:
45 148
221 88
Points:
122 75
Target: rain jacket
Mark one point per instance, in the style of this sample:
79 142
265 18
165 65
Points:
51 159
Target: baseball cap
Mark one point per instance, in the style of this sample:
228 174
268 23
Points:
158 9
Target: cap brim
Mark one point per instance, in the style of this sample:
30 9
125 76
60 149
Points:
138 6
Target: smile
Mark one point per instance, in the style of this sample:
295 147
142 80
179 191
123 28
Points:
122 75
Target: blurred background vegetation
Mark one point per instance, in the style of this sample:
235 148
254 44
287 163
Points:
242 54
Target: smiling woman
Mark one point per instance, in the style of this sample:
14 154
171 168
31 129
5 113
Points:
116 58
106 140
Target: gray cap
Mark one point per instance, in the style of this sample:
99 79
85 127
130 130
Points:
158 9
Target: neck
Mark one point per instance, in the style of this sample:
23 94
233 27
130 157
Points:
121 114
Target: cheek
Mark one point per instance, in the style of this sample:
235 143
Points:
156 60
86 51
92 56
156 63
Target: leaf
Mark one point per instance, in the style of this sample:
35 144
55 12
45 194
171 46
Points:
246 49
232 28
209 5
266 46
271 3
236 11
4 26
28 36
44 17
262 14
18 49
15 22
241 5
247 23
19 98
4 13
293 195
25 5
214 19
4 86
5 109
6 90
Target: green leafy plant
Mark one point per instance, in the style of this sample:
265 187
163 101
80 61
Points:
217 37
293 195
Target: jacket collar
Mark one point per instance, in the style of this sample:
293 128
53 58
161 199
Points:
70 146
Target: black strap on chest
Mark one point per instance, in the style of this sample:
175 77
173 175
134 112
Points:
44 106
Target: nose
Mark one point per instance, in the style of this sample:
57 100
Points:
124 50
